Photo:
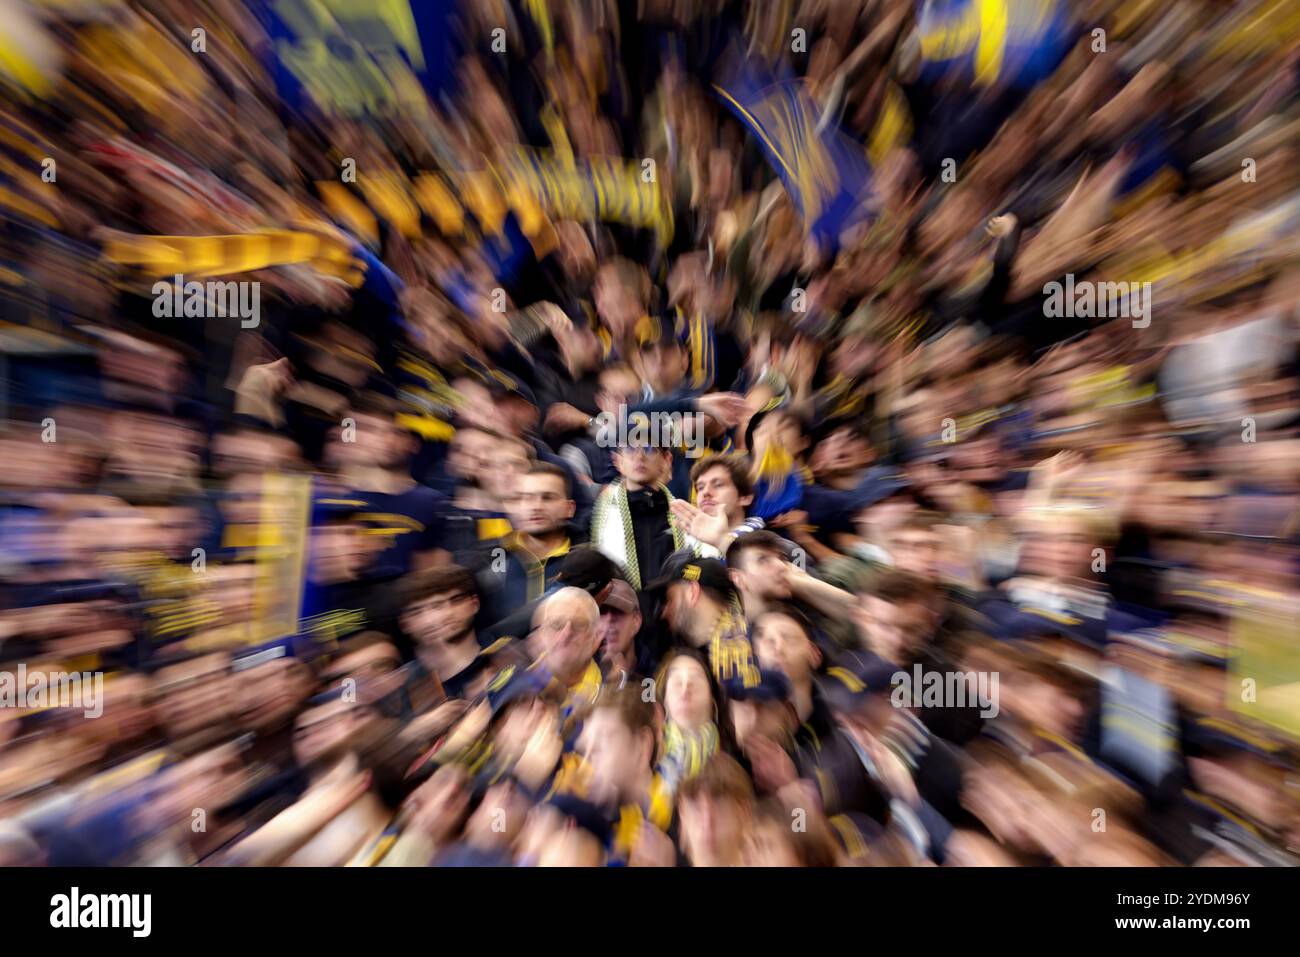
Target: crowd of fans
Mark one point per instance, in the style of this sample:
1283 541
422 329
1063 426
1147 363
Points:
634 522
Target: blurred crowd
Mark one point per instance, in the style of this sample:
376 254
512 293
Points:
641 400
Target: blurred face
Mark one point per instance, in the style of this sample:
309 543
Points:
322 730
194 694
617 633
769 845
843 452
380 442
1063 550
640 467
766 719
618 759
781 644
469 454
542 507
581 348
270 693
338 552
615 303
569 636
894 631
441 619
916 550
715 491
1044 705
688 699
780 430
664 365
761 573
437 807
713 830
502 469
619 387
680 599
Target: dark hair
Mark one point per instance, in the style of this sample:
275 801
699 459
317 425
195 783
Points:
737 466
550 468
902 588
794 613
428 582
761 540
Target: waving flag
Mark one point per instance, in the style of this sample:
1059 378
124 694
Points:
825 172
1003 42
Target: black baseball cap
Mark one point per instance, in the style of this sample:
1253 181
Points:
684 566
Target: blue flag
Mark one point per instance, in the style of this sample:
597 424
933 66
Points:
993 42
825 172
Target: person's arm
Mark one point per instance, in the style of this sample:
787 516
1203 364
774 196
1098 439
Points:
827 598
277 840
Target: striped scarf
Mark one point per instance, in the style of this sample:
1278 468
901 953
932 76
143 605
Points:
686 752
611 530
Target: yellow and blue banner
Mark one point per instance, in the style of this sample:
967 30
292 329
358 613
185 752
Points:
993 42
360 57
826 174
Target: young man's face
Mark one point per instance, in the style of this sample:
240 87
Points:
441 618
713 828
641 466
381 442
469 454
894 630
615 302
760 572
843 452
716 491
781 644
916 550
542 506
503 469
616 756
664 366
618 387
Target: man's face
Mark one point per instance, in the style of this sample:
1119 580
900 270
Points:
843 452
581 346
615 756
715 491
503 467
619 387
894 630
679 606
712 828
381 442
324 730
639 465
780 430
664 365
569 636
542 507
469 454
617 631
916 550
781 644
615 303
761 573
441 618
